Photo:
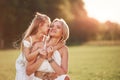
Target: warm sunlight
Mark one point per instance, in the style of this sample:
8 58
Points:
103 10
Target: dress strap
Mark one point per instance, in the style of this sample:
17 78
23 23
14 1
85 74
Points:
31 40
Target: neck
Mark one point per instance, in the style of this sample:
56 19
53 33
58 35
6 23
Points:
39 36
53 41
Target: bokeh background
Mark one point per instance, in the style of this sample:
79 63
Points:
94 46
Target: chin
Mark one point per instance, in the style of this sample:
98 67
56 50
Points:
45 32
51 34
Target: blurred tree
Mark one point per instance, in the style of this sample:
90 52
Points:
16 15
82 27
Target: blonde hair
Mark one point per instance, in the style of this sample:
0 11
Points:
39 18
65 33
35 23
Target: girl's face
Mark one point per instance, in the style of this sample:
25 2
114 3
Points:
44 27
56 29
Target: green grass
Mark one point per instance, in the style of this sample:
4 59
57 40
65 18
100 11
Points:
85 63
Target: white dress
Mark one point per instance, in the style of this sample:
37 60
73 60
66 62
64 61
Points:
21 64
45 66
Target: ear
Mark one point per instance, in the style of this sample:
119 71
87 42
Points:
41 24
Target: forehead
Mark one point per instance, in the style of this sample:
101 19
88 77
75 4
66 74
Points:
47 22
57 23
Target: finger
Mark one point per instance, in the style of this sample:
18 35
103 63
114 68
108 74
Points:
51 48
48 49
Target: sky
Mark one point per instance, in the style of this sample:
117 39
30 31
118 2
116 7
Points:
103 10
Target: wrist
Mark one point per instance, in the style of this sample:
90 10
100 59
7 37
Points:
50 60
42 56
40 59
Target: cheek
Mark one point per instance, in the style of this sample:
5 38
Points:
60 33
46 28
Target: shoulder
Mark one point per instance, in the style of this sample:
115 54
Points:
26 42
64 50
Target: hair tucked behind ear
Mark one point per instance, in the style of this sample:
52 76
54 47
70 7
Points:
65 30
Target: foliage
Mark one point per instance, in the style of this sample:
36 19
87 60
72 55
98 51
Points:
16 15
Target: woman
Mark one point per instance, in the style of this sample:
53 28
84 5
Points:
35 32
52 64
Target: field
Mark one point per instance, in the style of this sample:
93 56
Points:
85 63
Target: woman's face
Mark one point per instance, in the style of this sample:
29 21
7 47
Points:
56 29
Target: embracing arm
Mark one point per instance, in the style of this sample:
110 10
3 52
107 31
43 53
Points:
33 66
28 50
59 45
63 69
30 55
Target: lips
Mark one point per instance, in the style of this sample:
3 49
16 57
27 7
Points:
54 31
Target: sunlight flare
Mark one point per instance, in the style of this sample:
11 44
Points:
103 10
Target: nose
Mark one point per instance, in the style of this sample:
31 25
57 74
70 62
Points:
54 27
50 29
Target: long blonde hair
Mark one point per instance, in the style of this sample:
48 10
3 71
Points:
33 28
35 23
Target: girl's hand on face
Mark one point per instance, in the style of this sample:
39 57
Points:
50 51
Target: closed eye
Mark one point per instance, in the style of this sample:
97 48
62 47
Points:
58 27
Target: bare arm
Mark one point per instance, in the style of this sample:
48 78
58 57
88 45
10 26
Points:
59 45
31 53
30 56
32 67
63 69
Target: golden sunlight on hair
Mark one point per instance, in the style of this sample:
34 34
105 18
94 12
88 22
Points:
35 22
65 30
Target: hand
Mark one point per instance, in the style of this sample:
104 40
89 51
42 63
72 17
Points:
36 46
50 51
43 53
